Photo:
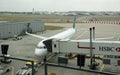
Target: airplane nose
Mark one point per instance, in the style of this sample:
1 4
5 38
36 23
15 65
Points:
40 52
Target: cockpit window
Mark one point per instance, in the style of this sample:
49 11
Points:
42 47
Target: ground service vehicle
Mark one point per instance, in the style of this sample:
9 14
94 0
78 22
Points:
27 69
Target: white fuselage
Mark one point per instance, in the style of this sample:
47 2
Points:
41 49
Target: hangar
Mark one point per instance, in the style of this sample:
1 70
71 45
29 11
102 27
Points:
9 29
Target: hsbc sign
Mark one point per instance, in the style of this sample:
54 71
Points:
105 48
109 49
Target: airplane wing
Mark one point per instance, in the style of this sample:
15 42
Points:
37 36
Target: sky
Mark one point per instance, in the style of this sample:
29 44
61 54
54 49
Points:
59 5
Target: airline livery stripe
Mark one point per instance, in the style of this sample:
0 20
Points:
84 47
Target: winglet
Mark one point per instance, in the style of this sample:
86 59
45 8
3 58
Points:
74 21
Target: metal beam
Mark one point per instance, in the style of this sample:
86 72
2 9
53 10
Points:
68 67
14 58
91 51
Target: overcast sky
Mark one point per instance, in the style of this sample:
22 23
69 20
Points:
60 5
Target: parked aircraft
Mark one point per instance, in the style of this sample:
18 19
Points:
41 49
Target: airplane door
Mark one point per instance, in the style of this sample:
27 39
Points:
48 44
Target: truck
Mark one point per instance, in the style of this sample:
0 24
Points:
27 69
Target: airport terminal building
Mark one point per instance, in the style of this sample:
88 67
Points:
9 29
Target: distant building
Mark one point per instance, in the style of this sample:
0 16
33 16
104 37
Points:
9 29
33 11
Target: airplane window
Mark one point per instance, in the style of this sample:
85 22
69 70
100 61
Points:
41 47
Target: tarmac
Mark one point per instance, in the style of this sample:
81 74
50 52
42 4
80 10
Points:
25 47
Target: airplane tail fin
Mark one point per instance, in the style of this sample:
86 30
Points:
74 21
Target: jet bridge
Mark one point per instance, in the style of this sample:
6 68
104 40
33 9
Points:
109 49
83 47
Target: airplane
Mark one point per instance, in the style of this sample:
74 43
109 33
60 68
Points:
41 49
